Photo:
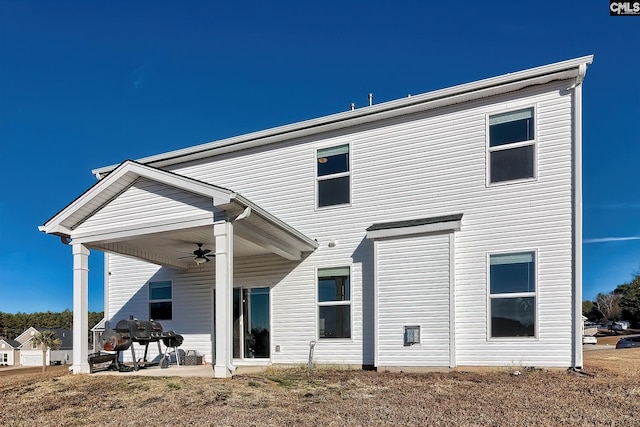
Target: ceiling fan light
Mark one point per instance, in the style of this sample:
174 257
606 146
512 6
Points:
200 260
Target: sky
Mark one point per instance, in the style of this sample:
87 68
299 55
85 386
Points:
90 84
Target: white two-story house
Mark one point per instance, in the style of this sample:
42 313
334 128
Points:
437 230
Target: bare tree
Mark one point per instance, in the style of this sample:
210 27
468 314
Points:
609 305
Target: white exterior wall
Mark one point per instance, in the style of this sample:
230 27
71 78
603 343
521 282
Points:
413 290
192 301
65 357
11 356
417 166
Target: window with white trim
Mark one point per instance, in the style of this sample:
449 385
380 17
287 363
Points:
511 146
160 300
334 303
4 358
333 176
512 295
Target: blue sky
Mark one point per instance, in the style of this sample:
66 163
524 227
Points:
89 84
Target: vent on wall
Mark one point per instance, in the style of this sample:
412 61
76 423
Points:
411 335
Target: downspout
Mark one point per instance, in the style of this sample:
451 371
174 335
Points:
577 359
107 277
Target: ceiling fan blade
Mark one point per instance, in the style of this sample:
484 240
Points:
206 251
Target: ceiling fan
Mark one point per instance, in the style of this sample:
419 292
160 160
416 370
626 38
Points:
200 255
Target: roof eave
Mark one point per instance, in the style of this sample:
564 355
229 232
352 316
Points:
363 115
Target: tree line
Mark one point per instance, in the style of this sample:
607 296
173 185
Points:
12 325
623 303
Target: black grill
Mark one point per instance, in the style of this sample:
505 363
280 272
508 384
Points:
143 332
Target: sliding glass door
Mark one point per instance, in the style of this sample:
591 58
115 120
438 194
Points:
251 323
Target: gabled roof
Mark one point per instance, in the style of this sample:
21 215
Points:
571 69
102 192
105 190
100 326
64 335
124 176
27 334
11 343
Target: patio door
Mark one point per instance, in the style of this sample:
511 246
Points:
251 323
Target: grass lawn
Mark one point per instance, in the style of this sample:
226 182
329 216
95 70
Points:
328 397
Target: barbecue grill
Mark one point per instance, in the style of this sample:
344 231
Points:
143 332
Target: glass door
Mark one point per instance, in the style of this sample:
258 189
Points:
251 323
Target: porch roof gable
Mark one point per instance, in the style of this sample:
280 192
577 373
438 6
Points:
124 176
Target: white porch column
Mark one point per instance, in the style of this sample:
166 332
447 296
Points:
80 309
223 232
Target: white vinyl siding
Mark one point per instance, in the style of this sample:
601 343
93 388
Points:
415 166
413 289
148 203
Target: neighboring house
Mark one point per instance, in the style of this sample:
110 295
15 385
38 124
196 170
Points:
437 230
9 352
96 333
62 355
31 354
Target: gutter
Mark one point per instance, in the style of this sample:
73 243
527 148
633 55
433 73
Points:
256 210
435 99
577 357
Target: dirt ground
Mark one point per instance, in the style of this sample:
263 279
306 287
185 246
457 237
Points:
608 395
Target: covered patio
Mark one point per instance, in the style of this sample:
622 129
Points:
160 217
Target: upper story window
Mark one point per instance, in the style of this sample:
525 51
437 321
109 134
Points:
160 301
512 295
333 176
511 146
334 303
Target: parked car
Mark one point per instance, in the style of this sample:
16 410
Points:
589 339
620 325
629 342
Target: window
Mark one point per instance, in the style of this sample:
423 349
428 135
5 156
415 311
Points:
511 146
34 345
333 176
160 305
512 295
334 303
4 358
